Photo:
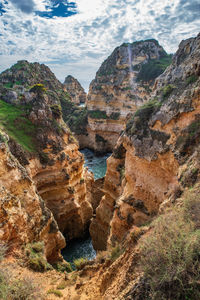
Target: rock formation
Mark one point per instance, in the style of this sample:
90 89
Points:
46 151
158 153
122 84
75 90
24 217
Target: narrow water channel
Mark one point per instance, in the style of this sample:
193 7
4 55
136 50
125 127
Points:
83 248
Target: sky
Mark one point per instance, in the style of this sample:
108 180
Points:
75 37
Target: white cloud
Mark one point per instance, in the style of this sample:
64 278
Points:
79 44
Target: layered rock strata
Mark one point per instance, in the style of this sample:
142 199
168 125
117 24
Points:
158 153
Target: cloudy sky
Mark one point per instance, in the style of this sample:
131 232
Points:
75 37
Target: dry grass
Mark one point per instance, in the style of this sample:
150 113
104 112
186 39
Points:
170 256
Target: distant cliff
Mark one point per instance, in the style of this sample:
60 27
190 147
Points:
75 90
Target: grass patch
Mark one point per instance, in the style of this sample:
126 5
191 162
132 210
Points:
63 266
17 126
80 262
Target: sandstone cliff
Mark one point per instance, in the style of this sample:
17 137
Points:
122 84
45 149
157 155
75 90
24 216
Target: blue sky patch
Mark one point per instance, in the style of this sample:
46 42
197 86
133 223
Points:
59 8
1 9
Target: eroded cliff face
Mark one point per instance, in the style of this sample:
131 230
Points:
47 152
121 86
24 216
157 156
75 90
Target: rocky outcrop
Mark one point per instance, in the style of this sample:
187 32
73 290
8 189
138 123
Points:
122 84
158 153
75 90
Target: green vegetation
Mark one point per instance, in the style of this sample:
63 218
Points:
141 116
56 111
8 85
193 128
97 114
153 68
63 266
35 257
170 255
116 252
56 293
18 82
191 79
75 117
38 88
17 126
167 90
80 262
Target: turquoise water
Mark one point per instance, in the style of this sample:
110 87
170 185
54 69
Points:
95 164
83 248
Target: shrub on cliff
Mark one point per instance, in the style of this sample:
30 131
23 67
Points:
35 257
170 255
80 262
38 89
154 68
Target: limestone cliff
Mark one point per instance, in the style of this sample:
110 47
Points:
24 217
45 149
75 90
157 155
122 84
